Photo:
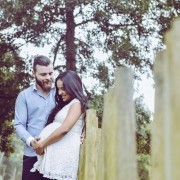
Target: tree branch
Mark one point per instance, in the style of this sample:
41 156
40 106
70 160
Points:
56 49
84 22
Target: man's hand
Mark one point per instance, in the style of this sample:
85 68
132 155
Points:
37 146
34 142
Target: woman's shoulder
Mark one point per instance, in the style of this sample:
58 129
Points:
74 101
68 105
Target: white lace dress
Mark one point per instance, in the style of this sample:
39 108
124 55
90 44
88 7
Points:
60 160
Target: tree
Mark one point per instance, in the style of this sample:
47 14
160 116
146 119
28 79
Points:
75 28
13 78
62 22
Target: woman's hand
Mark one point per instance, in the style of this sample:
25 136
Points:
40 149
34 142
38 146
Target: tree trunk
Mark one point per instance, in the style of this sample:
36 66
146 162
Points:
70 36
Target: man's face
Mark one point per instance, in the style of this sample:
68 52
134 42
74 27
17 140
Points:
44 77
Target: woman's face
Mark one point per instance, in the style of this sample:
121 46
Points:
62 92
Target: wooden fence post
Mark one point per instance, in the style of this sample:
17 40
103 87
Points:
2 172
81 170
119 129
166 133
1 156
100 156
161 142
88 161
109 139
14 174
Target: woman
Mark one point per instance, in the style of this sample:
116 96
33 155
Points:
59 144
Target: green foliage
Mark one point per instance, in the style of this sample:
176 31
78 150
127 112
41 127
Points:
97 104
13 78
13 163
144 166
15 159
75 29
143 138
6 137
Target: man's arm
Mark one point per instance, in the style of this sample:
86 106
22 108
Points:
21 119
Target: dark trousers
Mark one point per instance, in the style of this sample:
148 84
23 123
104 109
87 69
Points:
28 163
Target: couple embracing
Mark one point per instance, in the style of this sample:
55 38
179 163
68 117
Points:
49 120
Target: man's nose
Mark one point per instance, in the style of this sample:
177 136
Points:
48 76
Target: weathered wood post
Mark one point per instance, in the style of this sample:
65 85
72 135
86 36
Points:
119 129
100 156
88 161
161 124
13 177
2 170
81 170
1 156
166 125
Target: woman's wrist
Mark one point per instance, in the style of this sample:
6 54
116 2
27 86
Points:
43 144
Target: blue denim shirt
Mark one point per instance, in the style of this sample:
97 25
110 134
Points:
31 113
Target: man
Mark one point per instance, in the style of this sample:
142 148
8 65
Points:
32 108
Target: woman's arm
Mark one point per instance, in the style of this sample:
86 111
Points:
72 117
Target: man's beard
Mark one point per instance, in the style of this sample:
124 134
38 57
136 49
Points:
43 84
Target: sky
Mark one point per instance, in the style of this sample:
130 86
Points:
145 86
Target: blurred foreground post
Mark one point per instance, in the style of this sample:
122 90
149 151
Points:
1 157
119 129
2 167
166 125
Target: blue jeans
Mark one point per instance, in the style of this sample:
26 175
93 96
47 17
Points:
28 163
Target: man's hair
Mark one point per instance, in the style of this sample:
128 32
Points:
41 60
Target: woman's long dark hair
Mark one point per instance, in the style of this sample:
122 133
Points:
73 85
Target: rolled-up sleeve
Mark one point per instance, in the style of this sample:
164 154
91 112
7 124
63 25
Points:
20 121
